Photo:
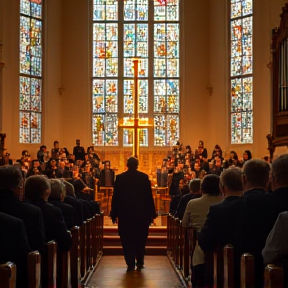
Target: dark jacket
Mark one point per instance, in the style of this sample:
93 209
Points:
183 203
132 201
79 153
14 246
78 208
221 224
257 219
55 226
67 211
31 216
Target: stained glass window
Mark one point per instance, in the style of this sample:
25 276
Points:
30 100
241 71
149 31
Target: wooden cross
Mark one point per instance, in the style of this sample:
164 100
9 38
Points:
135 123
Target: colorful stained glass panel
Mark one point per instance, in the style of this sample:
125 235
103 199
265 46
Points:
105 50
128 137
241 46
135 10
31 8
240 8
241 72
129 100
30 58
166 10
105 10
166 50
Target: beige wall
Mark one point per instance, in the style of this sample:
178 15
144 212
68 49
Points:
204 64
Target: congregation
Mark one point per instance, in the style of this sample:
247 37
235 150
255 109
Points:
227 201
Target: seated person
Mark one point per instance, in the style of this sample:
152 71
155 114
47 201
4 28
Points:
52 170
35 168
260 212
195 192
14 247
37 191
177 176
42 153
84 194
74 202
107 176
11 182
222 220
195 216
56 198
184 190
276 248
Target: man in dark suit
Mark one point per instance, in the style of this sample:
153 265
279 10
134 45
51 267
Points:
195 192
79 151
37 190
11 182
219 227
83 193
14 246
74 202
133 208
259 214
56 198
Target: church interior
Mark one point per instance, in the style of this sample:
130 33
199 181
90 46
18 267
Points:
71 86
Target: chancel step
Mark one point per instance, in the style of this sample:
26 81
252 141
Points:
156 242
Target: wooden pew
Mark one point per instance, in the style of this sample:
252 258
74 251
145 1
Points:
169 233
83 249
49 265
247 271
34 269
8 275
218 268
75 257
186 260
177 242
63 267
228 252
88 244
274 277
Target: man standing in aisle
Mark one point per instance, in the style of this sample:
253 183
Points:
133 208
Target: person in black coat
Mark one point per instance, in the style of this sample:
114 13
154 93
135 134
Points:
133 208
83 193
195 192
14 247
37 190
56 198
10 185
259 214
79 151
75 203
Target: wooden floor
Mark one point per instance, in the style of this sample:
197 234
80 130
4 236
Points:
158 273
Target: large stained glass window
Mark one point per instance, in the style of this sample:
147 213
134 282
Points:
30 101
149 31
241 71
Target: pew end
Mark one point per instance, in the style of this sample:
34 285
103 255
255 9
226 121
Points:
34 269
8 275
247 271
273 276
228 254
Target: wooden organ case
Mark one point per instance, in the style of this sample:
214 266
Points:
279 135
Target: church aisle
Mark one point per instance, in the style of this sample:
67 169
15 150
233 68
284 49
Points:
158 272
